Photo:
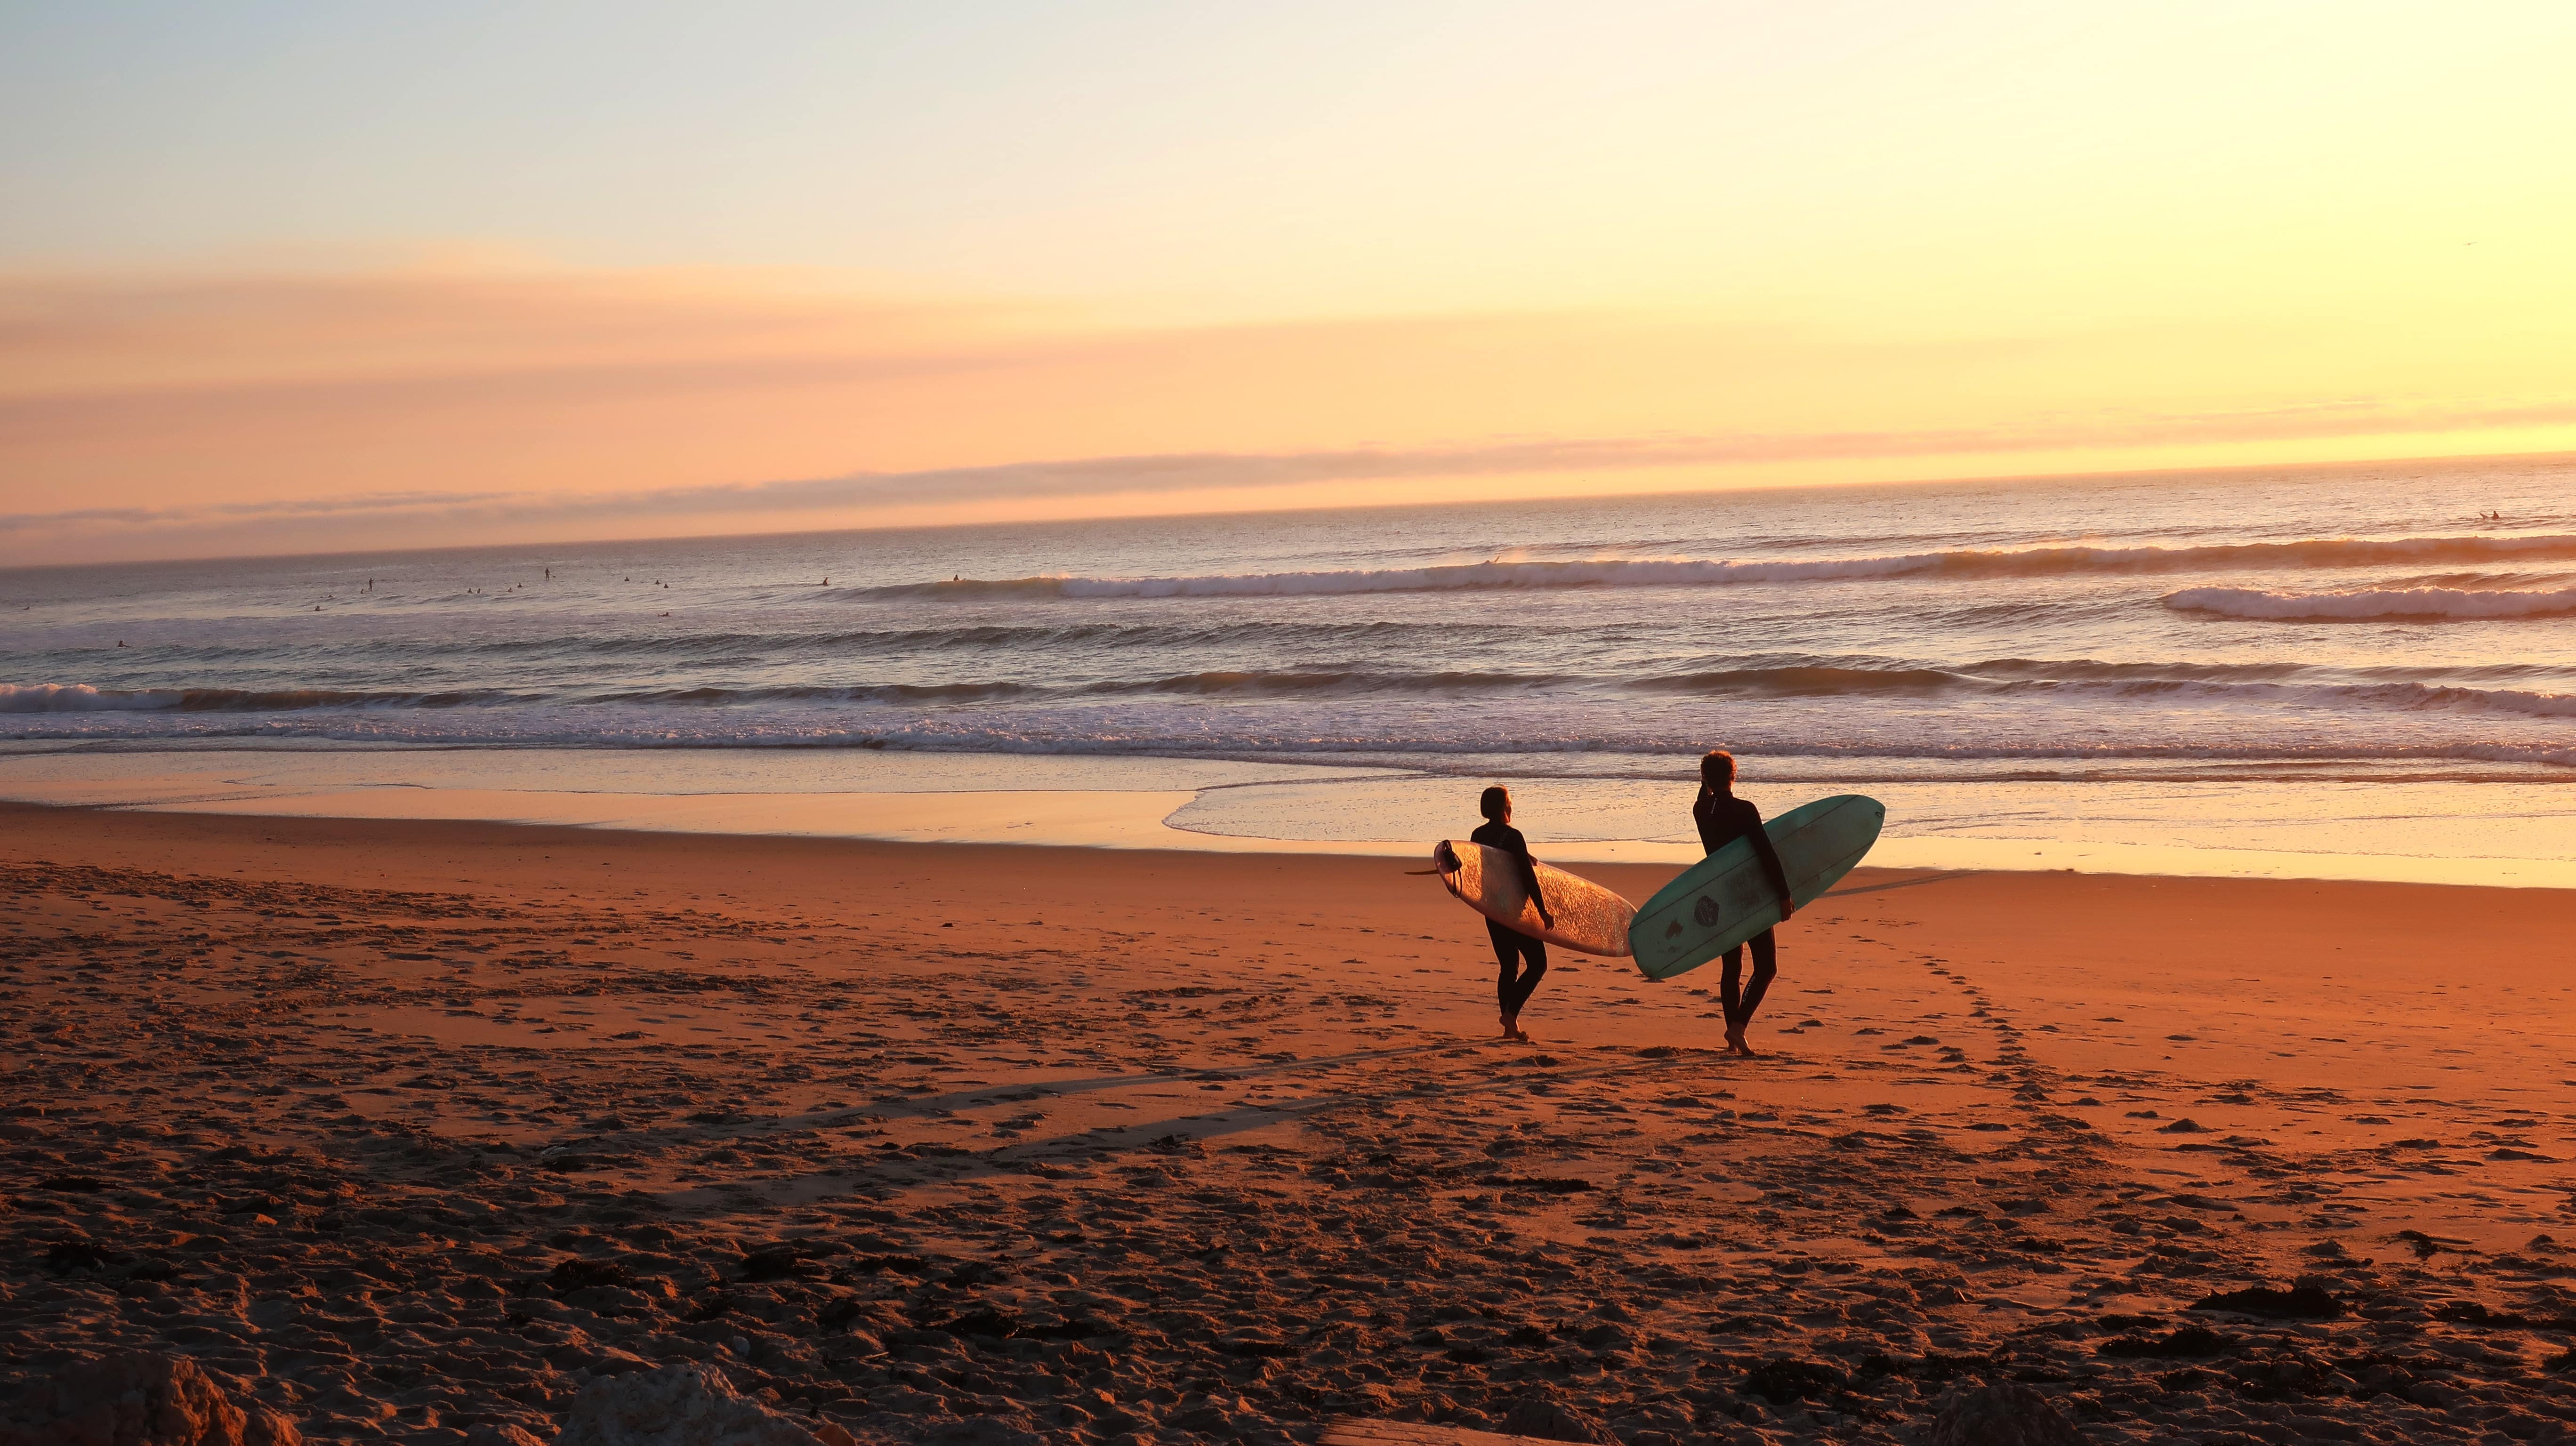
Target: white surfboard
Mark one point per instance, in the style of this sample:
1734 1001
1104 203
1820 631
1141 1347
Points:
1589 918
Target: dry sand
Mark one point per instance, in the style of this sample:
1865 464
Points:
412 1127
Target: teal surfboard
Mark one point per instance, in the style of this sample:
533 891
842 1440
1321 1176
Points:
1726 898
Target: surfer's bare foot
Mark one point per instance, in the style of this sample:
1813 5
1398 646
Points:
1735 1044
1511 1027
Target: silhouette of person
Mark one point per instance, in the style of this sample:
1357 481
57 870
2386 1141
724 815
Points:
1522 958
1723 818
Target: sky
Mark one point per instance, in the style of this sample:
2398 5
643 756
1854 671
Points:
295 277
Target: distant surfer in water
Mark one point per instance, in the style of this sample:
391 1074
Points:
1523 959
1723 818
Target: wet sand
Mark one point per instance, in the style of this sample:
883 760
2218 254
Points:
411 1127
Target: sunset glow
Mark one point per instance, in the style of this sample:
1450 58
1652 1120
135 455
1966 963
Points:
328 280
1366 722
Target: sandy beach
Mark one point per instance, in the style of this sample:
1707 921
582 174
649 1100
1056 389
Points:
410 1128
728 728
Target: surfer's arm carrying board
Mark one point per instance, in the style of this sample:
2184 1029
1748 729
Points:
1506 840
1726 898
1581 915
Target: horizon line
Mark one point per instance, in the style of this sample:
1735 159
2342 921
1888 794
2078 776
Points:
1977 479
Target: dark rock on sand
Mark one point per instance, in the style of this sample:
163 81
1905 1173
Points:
1549 1419
687 1405
1783 1381
2001 1415
2305 1301
782 1262
70 1255
2185 1342
579 1274
140 1398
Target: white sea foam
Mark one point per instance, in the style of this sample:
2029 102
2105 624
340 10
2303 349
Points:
2368 603
1897 681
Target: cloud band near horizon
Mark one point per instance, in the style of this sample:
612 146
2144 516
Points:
164 417
1152 475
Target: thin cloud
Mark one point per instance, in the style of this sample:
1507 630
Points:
1196 472
158 416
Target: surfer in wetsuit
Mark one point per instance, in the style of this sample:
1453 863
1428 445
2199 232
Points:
1723 818
1513 949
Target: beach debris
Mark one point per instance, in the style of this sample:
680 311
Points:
684 1405
778 1262
139 1398
575 1273
1550 1419
2425 1246
65 1256
1782 1381
2181 1343
2005 1414
2306 1300
1538 1184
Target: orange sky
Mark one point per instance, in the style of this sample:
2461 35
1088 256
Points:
1392 253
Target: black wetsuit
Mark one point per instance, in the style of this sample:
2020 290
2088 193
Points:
1512 948
1723 818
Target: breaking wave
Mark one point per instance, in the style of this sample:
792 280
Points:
1895 681
83 698
1706 572
2427 603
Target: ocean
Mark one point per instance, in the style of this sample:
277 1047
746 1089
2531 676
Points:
2359 670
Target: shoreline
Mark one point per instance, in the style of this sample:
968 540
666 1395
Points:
1295 808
